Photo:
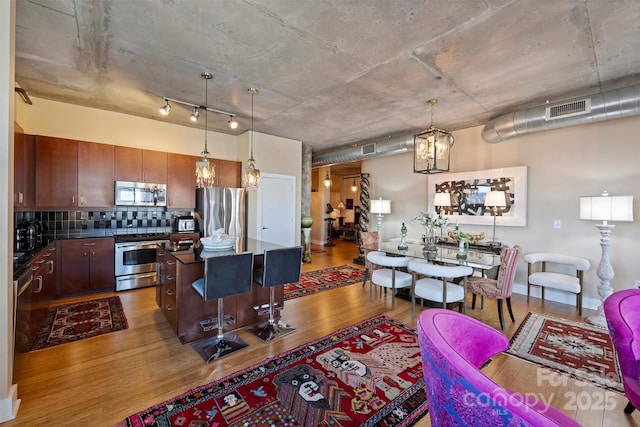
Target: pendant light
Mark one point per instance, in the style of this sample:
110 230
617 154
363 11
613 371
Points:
354 187
251 179
205 171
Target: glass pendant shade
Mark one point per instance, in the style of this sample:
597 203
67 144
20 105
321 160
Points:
205 173
251 177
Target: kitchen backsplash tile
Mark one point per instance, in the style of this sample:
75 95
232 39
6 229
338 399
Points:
120 220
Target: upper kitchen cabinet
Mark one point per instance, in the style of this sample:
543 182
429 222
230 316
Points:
138 165
227 173
95 175
56 163
23 169
181 181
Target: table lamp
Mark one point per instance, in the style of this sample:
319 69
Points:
605 208
442 201
495 200
380 207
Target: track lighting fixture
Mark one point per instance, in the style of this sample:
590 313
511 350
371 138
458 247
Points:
164 110
232 122
195 114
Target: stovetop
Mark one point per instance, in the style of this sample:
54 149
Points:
140 237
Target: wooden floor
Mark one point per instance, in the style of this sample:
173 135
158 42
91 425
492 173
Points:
100 381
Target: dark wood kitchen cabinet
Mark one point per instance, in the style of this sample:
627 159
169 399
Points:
43 267
228 173
86 265
95 175
24 176
138 165
181 181
56 163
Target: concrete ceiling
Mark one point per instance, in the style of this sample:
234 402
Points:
330 73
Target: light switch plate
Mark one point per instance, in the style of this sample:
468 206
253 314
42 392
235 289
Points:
557 223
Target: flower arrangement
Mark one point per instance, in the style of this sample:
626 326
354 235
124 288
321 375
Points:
431 220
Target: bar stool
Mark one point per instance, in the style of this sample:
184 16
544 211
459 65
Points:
281 266
224 276
388 275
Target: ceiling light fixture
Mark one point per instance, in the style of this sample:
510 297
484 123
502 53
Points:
327 180
195 114
232 122
431 148
354 187
205 171
251 175
164 110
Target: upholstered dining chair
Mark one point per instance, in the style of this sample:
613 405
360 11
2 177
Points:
499 288
623 318
387 274
549 270
438 284
367 238
454 347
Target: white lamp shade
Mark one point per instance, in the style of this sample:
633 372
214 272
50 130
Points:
495 199
607 208
340 206
379 206
442 199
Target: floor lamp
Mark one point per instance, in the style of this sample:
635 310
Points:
495 200
380 207
605 208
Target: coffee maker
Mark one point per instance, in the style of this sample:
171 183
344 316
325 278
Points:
28 236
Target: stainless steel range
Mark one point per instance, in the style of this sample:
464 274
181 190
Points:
136 259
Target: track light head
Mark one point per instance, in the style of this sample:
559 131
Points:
195 114
232 122
164 110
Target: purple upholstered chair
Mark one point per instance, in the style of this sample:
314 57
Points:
623 318
454 347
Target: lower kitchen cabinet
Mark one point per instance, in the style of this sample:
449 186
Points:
166 287
86 265
43 268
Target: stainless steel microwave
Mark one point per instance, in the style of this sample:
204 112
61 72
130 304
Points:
140 194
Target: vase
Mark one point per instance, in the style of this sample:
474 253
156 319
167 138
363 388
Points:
463 248
429 239
403 240
306 245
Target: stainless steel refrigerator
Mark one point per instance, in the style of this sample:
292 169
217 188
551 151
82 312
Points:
221 207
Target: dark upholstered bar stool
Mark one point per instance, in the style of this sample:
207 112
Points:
224 276
281 266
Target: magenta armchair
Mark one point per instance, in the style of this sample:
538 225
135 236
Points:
623 318
454 347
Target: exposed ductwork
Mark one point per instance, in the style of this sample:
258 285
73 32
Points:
368 150
613 104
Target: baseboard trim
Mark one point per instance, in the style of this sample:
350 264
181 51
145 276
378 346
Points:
556 296
9 405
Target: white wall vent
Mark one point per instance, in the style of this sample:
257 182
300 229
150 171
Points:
568 109
368 149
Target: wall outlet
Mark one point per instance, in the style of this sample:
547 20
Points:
557 223
637 284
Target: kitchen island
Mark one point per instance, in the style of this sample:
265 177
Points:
188 314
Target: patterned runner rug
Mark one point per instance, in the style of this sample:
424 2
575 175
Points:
72 322
369 374
582 351
323 280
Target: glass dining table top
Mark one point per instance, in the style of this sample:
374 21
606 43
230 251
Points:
443 255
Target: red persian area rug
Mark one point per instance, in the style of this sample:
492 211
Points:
323 280
73 322
369 374
582 351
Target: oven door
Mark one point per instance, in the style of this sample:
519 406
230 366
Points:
135 257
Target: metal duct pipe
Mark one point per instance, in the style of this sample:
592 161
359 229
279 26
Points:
368 150
613 104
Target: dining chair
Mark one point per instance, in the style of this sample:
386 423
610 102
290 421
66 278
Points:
499 288
549 270
623 319
367 238
454 347
281 266
387 274
437 285
224 276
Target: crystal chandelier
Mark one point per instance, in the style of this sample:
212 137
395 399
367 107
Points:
431 148
205 171
251 179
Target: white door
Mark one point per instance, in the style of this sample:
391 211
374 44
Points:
277 209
